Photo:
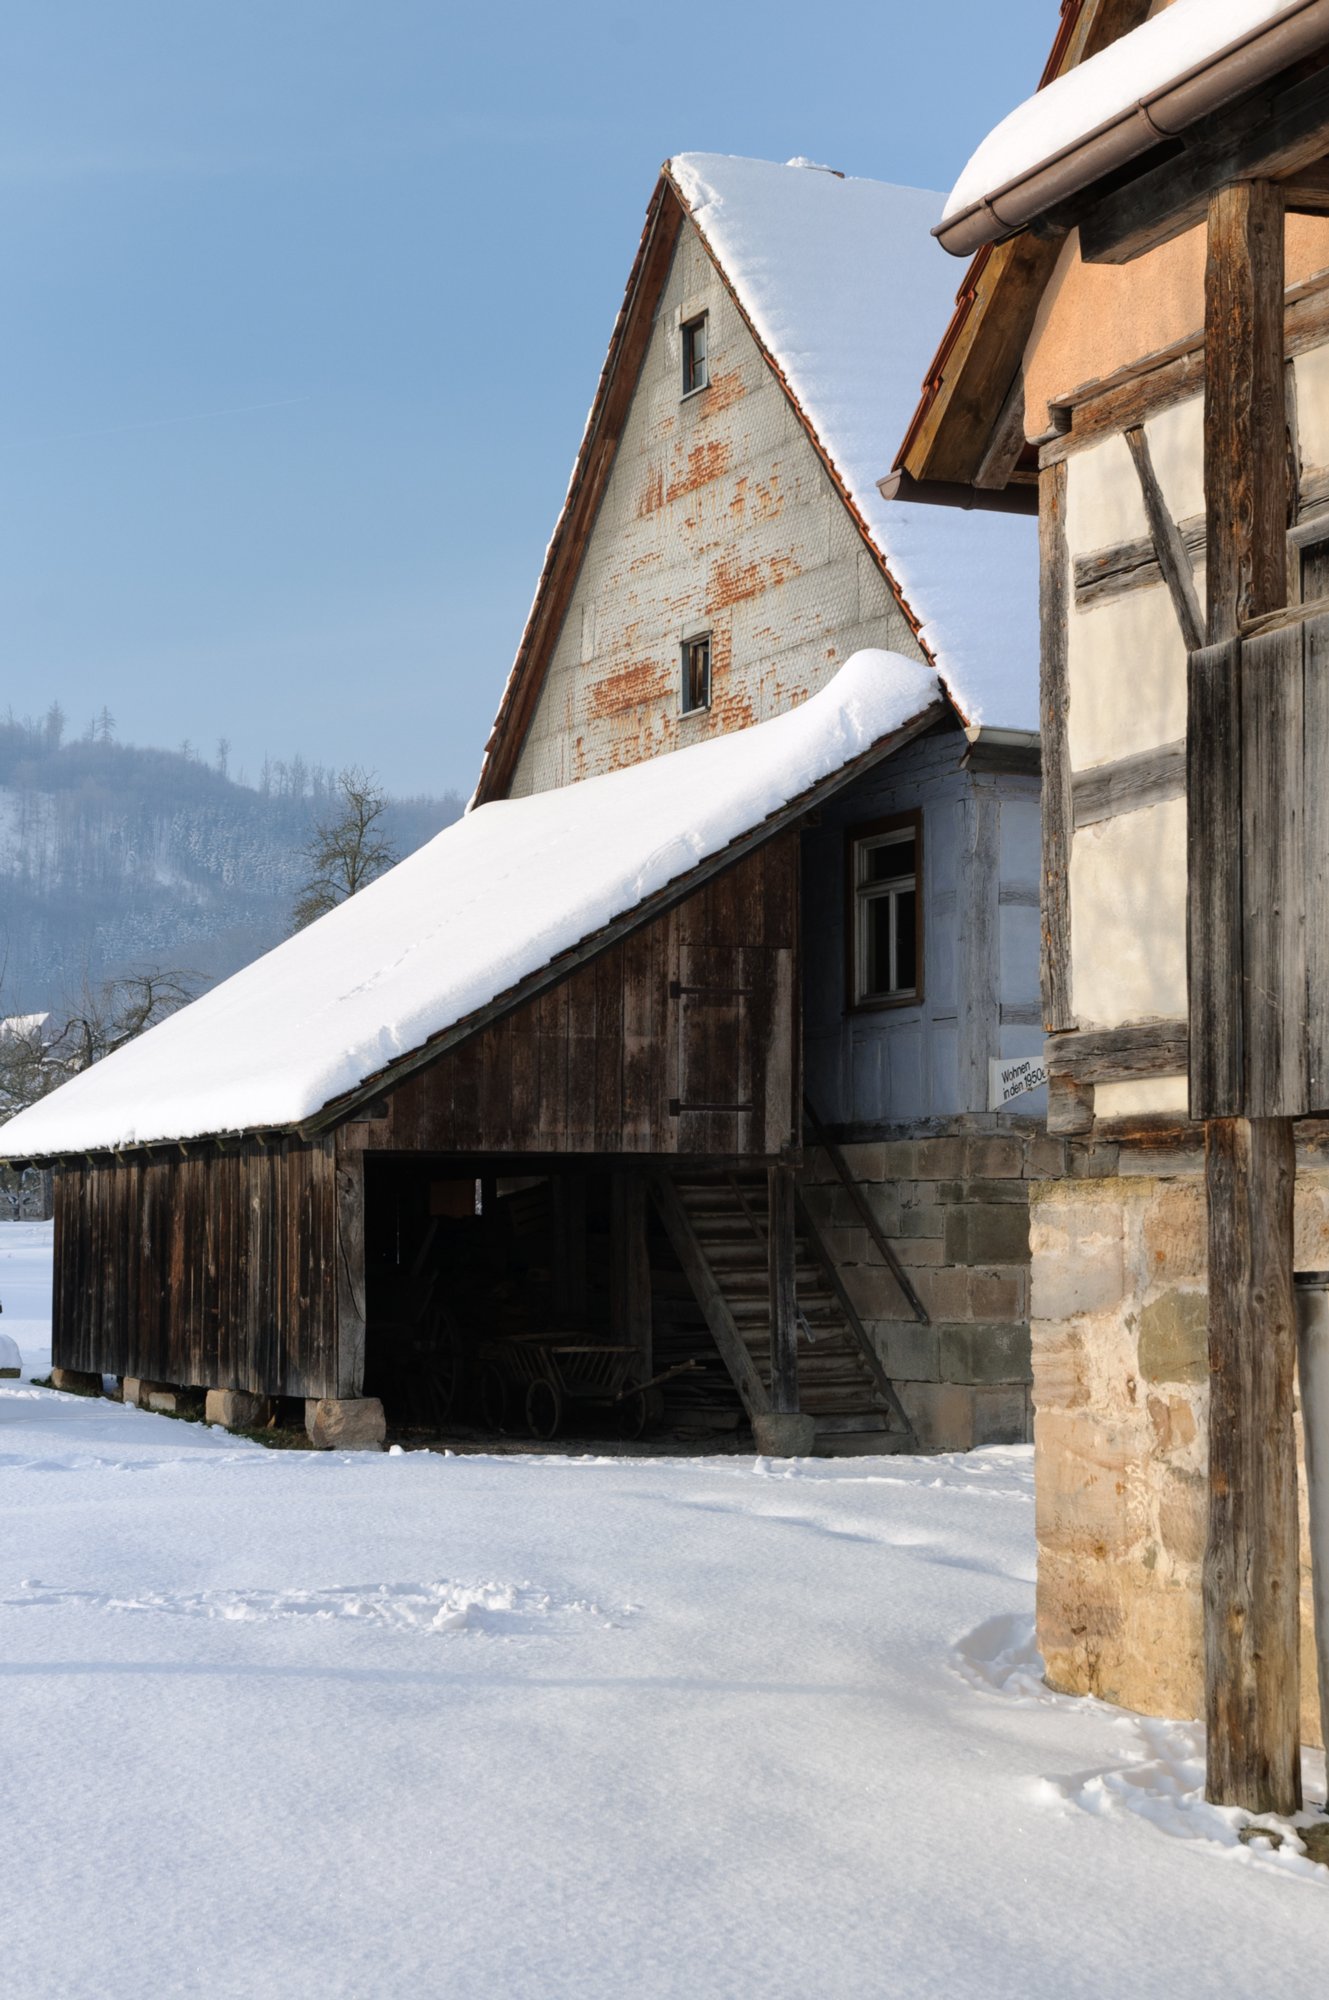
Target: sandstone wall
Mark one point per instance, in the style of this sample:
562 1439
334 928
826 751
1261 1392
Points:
1120 1370
955 1206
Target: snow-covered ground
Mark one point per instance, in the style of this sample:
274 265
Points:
332 1725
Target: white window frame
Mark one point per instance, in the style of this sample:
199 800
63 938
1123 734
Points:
863 893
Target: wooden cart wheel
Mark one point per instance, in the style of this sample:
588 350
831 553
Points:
544 1409
630 1414
493 1397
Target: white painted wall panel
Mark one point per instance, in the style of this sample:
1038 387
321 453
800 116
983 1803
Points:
1144 1097
1103 503
1127 668
1128 917
1312 377
1176 446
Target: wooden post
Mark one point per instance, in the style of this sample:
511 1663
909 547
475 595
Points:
1251 1580
630 1266
568 1226
349 1226
782 1253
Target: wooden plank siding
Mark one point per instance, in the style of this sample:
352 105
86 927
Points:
212 1270
681 1039
241 1266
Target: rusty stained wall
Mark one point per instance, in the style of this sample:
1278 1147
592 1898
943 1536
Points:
719 516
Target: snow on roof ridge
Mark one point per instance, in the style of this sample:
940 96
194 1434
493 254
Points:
852 337
487 904
1160 53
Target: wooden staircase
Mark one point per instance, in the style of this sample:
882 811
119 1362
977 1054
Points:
717 1222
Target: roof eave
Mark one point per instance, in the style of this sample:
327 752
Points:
1160 114
341 1109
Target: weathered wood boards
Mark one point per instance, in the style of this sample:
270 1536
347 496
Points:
1258 771
782 1254
1213 909
242 1267
216 1270
1251 1569
1054 702
683 1038
1244 770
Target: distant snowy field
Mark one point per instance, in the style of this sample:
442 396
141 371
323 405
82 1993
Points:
328 1725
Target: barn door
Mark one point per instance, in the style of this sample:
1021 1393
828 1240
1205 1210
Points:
713 994
1258 852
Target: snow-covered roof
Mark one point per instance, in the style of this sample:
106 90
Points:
1137 70
493 900
845 287
18 1027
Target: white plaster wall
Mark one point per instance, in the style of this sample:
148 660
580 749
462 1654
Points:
1103 501
1128 917
1312 379
717 515
1176 447
1127 668
1143 1097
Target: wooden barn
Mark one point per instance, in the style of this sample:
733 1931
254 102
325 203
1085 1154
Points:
1144 335
661 1087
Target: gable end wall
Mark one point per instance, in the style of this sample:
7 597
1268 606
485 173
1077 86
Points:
717 516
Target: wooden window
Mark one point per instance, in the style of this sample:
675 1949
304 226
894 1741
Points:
695 372
884 918
696 689
1315 566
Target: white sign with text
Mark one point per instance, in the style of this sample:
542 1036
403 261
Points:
1011 1079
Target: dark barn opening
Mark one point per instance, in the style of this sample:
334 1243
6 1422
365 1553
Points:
497 1304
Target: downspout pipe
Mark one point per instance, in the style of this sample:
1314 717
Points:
1160 114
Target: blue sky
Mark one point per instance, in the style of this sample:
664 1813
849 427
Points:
304 305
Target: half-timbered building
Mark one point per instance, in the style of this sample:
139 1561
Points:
1144 337
662 1083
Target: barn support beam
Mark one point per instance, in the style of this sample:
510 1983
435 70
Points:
1251 1597
350 1250
568 1201
630 1267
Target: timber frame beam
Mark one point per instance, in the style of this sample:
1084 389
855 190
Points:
1276 134
1251 1563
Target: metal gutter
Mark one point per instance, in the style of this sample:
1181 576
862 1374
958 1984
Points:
901 485
1160 114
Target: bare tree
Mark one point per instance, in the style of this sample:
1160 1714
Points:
38 1052
347 852
112 1014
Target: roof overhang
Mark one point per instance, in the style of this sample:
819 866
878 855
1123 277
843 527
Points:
351 1104
1159 115
968 427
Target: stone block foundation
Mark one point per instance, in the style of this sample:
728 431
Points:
955 1208
349 1423
75 1381
236 1409
164 1397
1120 1364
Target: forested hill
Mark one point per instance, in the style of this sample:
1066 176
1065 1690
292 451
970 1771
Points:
113 857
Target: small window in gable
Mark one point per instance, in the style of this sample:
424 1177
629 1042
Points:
695 373
885 916
696 690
